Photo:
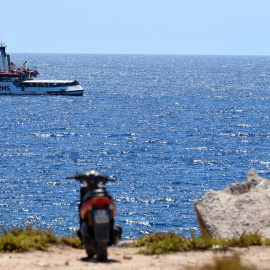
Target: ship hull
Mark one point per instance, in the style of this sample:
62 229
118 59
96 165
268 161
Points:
40 88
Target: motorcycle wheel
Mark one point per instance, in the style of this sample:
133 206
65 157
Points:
101 251
89 251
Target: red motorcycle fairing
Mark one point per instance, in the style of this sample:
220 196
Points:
94 202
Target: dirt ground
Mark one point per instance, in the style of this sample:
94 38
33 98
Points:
123 257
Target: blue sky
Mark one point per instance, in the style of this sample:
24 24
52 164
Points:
185 27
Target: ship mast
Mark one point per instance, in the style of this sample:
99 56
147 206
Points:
3 61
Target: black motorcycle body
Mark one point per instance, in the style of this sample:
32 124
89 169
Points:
97 211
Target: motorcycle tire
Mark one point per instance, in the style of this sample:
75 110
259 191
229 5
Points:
89 251
101 251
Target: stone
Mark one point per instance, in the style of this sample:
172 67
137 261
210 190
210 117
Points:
238 208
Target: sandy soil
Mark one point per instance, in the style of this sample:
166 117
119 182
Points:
63 257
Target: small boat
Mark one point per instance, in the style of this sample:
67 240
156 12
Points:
20 80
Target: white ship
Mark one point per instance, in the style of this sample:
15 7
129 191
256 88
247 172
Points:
19 80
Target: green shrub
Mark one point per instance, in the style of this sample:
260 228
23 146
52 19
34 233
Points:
73 241
170 242
19 239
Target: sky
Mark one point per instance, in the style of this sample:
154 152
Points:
181 27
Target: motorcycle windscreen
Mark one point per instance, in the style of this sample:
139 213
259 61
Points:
101 225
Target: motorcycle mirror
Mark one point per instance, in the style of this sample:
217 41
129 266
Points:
74 156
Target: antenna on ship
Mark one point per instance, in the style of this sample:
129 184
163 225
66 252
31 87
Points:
2 44
1 30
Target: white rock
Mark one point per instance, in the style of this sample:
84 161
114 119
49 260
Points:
239 208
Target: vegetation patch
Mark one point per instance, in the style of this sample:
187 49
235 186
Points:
20 239
158 243
225 263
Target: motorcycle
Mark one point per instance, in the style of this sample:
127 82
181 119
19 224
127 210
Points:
97 211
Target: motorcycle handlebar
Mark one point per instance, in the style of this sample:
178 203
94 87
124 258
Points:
70 177
90 177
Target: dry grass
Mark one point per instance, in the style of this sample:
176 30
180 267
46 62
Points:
225 263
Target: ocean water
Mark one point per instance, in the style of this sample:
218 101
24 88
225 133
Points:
167 128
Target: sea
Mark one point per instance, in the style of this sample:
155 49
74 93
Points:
166 128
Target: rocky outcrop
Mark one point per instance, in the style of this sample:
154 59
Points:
240 207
